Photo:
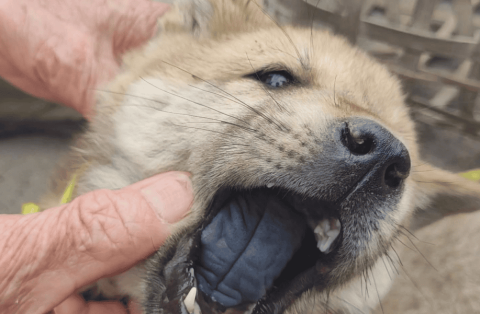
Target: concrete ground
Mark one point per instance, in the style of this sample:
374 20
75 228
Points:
34 134
26 163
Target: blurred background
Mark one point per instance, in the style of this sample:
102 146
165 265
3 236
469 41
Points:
432 45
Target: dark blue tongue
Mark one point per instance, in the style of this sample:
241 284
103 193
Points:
246 246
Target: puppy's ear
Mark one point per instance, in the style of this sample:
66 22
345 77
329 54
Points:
441 193
213 18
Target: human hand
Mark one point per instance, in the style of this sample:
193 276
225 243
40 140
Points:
45 257
61 50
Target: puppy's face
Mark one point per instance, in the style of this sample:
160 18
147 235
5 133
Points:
302 153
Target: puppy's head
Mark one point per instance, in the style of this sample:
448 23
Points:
301 148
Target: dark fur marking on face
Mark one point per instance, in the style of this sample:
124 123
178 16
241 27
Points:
311 150
292 154
281 148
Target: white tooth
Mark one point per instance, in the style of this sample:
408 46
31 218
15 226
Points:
325 235
325 224
325 245
270 185
250 308
322 227
190 300
196 309
333 233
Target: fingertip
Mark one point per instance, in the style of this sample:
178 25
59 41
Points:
134 307
169 194
105 307
75 304
170 197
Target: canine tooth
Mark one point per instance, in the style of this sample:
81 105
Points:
270 185
326 225
324 246
196 308
190 300
322 227
250 308
333 233
325 233
337 223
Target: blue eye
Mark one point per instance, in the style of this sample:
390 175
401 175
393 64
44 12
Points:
274 79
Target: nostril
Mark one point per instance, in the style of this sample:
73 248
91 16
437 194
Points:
358 144
394 177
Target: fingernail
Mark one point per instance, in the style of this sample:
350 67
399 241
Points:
170 198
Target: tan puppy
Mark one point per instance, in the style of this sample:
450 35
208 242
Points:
260 113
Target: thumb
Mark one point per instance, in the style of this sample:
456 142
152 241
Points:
98 234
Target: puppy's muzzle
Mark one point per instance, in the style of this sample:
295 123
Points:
358 154
260 248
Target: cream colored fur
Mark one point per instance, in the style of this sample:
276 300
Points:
174 105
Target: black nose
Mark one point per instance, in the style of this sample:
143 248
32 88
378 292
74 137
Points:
376 152
357 157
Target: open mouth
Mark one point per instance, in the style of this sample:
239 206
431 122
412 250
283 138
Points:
260 250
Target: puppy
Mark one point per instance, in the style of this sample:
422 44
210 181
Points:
303 158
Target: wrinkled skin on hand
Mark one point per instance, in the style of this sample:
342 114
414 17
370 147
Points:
61 50
45 257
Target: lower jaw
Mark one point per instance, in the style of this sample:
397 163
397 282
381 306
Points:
306 270
277 302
